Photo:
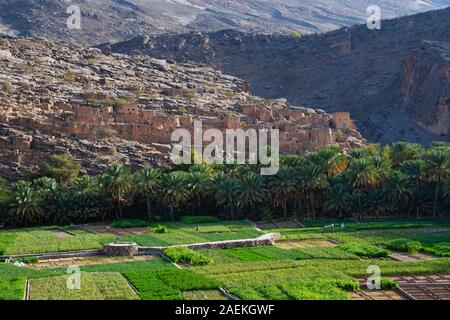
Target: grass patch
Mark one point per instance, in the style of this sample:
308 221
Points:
159 229
261 254
439 249
93 286
30 241
186 255
388 284
181 233
286 284
404 245
364 250
212 228
199 219
168 284
129 223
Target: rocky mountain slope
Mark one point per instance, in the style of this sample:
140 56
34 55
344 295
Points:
103 108
116 20
353 69
426 86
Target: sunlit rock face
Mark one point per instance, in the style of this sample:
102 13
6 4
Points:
426 86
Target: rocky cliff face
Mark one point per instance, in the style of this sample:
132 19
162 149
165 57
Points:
426 86
104 108
353 69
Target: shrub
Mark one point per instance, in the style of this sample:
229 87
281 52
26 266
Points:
26 260
364 250
186 255
129 223
159 229
189 94
70 77
4 42
405 245
348 284
7 86
388 284
199 220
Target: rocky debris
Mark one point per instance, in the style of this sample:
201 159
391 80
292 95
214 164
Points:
105 108
352 69
426 86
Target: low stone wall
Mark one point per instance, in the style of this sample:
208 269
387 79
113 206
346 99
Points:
120 249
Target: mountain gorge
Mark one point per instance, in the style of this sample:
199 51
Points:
374 74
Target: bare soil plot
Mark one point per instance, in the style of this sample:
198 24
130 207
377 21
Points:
265 225
430 287
290 224
106 229
62 234
300 244
407 257
287 224
366 294
204 295
84 261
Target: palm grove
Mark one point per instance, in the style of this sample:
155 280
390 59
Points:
402 179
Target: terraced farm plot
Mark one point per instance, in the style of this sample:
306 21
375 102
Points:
180 233
168 284
93 286
285 284
85 261
29 241
204 295
261 253
298 244
305 264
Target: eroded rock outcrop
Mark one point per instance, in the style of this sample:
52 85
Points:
426 86
104 108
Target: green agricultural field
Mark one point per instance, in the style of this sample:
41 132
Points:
181 233
44 240
93 286
307 263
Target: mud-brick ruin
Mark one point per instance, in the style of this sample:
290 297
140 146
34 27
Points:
102 108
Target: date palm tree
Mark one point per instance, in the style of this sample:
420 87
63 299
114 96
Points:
415 170
313 180
437 166
117 181
251 191
200 186
175 186
147 183
86 197
227 191
331 160
362 174
403 151
25 204
282 186
397 190
50 194
336 200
